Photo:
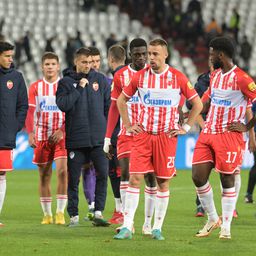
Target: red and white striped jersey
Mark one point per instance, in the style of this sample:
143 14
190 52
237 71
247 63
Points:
229 93
121 79
160 96
49 118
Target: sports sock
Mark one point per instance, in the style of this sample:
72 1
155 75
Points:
228 203
123 188
46 204
131 204
205 195
150 196
61 203
161 205
2 190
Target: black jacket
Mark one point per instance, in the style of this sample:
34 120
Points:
13 106
86 108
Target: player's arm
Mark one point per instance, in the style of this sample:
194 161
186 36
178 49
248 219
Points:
127 93
251 142
29 123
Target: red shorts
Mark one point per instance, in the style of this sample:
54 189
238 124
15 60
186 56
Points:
46 152
153 153
124 145
6 158
225 150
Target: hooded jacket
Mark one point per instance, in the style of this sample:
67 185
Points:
86 109
13 106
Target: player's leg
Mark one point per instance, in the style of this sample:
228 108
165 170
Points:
237 190
150 192
62 183
45 174
6 157
76 159
251 182
100 163
89 183
228 203
114 176
203 162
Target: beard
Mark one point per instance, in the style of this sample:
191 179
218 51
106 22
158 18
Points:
217 64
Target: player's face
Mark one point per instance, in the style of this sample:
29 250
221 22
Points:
83 64
139 57
96 62
215 59
6 59
157 55
50 69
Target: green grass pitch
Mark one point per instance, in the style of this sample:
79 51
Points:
24 235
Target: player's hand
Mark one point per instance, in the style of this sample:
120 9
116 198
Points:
237 127
32 140
134 129
174 132
252 145
108 148
83 82
56 136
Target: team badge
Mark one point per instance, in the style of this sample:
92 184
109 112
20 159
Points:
9 84
127 81
95 86
71 155
252 86
190 86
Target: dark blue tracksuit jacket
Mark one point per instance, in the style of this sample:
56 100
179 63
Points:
13 106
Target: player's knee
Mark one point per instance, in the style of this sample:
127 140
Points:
150 180
135 180
2 173
197 179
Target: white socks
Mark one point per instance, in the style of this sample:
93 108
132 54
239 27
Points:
237 185
118 205
131 204
123 188
228 203
61 203
46 204
161 205
205 195
150 196
2 190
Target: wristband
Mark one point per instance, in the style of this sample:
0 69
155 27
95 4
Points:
186 127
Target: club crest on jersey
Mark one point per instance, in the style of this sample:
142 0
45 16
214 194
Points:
126 81
252 86
9 84
71 155
95 86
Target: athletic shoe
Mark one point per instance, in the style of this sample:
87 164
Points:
199 212
146 230
119 228
74 222
156 234
124 233
208 228
248 199
89 215
100 222
47 219
224 234
59 218
235 214
117 218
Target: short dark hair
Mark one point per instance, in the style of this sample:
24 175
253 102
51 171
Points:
94 50
137 42
5 46
158 41
224 44
50 55
82 51
117 52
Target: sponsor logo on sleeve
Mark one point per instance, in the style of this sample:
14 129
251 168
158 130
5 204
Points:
252 86
190 86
